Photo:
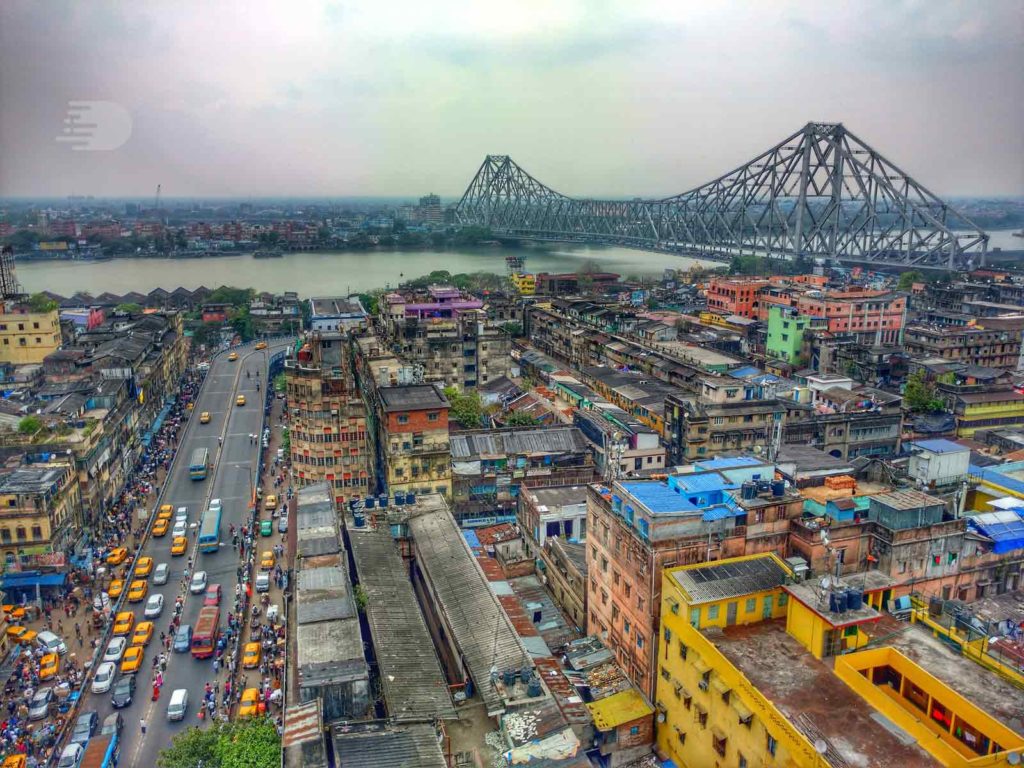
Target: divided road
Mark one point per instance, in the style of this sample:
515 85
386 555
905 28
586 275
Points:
235 466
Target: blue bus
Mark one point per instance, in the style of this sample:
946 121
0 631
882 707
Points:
209 531
200 464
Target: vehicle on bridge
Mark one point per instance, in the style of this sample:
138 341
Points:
204 417
233 356
204 637
261 345
199 466
240 400
178 546
160 527
209 531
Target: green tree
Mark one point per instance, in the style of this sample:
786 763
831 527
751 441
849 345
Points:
238 744
29 425
907 280
236 297
40 302
128 308
919 394
520 419
467 407
361 598
512 329
242 323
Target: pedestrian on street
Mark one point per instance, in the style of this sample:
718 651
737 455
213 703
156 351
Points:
142 725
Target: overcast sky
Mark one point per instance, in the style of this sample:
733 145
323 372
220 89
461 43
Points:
630 98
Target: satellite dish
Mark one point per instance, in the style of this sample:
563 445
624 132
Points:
1013 758
820 746
661 717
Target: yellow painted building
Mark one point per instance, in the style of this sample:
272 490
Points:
737 688
40 511
525 283
987 410
28 337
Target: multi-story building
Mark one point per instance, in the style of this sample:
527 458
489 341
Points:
975 344
636 528
845 423
429 210
27 336
727 415
275 314
447 334
980 406
336 313
327 429
40 512
491 467
744 680
412 423
735 295
786 329
621 446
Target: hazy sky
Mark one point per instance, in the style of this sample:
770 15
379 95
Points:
595 98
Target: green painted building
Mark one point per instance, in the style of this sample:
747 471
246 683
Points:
786 333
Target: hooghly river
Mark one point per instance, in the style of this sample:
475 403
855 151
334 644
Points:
321 273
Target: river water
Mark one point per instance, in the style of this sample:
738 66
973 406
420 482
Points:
322 273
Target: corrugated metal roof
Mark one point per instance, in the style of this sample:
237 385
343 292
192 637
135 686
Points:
472 445
324 594
411 746
478 625
413 683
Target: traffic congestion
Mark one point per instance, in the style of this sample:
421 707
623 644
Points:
171 622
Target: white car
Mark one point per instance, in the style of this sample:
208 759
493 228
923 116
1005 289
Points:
180 529
181 516
215 504
116 649
160 574
198 583
71 756
104 677
154 606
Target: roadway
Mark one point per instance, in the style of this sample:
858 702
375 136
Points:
235 466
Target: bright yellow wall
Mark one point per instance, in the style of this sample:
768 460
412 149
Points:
930 734
681 678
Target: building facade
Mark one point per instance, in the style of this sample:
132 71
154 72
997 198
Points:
413 438
27 336
40 512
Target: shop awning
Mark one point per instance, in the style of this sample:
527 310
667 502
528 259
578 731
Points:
32 579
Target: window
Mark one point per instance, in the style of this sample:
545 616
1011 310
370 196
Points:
403 418
634 730
627 588
683 649
625 626
37 532
751 605
742 762
639 640
783 599
718 742
615 578
771 745
668 636
665 675
640 603
712 612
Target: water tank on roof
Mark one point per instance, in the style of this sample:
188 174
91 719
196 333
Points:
749 490
368 501
533 689
778 487
508 677
854 599
410 499
837 601
360 519
382 501
399 499
525 674
764 486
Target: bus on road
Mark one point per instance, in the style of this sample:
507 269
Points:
209 531
204 637
200 464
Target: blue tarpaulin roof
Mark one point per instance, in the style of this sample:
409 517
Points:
1005 528
31 579
472 539
721 512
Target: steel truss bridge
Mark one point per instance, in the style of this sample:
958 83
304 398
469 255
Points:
820 193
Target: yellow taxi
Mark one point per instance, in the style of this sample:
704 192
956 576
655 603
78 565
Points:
143 567
261 345
267 560
15 761
160 527
49 666
15 633
143 633
204 417
251 655
166 510
240 400
271 501
132 659
137 591
249 706
124 622
117 556
115 589
233 356
179 545
28 637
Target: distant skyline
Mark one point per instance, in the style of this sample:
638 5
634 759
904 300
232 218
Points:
607 98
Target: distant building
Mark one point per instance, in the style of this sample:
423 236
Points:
429 210
336 313
27 336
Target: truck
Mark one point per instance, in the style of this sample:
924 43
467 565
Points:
101 752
